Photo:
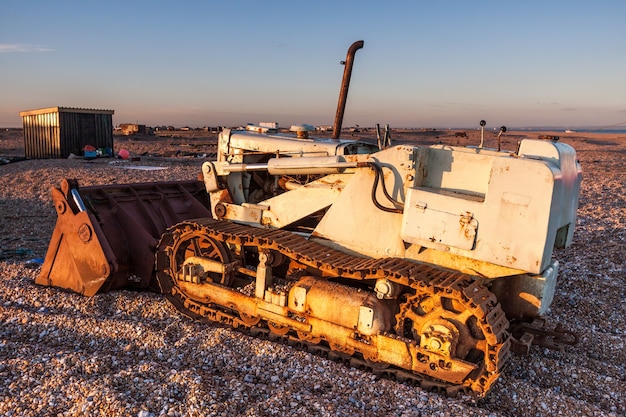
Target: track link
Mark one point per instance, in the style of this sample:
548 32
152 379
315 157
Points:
417 278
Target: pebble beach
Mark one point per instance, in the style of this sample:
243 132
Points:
127 353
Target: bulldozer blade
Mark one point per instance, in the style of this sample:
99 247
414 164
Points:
105 236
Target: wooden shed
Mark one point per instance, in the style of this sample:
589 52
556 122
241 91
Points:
57 132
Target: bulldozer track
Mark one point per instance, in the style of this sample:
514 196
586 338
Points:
420 278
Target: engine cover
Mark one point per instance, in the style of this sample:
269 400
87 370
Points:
341 305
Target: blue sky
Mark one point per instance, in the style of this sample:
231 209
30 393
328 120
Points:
424 63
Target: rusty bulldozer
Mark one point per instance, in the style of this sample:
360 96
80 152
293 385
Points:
431 264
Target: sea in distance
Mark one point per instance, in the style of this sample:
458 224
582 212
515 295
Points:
609 130
612 130
540 129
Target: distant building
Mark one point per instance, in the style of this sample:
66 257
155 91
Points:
271 125
57 132
132 129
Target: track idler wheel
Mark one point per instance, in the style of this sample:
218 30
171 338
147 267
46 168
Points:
179 244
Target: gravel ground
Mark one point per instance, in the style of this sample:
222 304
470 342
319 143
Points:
132 354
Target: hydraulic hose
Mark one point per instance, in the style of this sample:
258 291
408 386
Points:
378 176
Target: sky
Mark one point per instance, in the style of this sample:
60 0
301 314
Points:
227 63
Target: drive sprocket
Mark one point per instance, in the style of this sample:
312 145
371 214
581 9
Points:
451 321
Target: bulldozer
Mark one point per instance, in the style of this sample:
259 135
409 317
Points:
429 264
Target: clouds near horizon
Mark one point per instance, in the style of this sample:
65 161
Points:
23 47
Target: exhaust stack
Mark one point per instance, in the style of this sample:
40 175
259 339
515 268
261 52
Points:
345 84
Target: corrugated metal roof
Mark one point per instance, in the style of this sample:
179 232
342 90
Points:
65 110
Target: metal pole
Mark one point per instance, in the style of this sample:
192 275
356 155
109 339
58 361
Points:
502 130
345 84
482 133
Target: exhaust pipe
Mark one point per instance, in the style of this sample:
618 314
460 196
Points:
345 84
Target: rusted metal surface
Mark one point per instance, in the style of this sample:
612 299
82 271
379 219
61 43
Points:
345 85
105 236
441 323
536 332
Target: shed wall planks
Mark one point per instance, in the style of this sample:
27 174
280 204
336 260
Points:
57 132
